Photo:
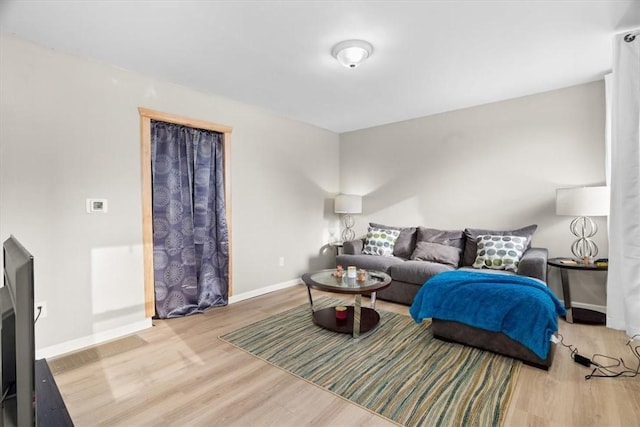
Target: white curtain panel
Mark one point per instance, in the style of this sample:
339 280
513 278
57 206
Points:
623 282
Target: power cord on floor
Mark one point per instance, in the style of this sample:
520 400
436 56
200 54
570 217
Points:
574 350
606 366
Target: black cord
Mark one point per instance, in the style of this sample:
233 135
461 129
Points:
601 369
574 350
606 371
39 313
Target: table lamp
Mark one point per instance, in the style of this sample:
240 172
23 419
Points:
583 203
348 204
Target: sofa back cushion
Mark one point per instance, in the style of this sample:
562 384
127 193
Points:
442 246
471 235
453 238
406 241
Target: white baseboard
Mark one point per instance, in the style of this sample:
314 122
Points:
100 337
77 344
262 291
600 308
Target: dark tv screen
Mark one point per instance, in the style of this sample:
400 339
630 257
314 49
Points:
17 335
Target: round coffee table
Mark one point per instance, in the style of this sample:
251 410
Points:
359 319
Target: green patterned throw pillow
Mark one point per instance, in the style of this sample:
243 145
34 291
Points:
380 241
500 252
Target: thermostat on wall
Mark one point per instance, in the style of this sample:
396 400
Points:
96 205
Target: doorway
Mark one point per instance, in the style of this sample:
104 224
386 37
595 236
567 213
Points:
146 116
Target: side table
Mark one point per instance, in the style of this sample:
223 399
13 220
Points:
574 314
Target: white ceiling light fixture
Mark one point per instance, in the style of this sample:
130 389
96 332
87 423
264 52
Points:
352 53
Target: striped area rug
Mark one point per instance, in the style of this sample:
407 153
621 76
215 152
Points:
398 370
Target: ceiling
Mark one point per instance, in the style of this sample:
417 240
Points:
429 56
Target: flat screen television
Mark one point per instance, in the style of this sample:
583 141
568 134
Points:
17 336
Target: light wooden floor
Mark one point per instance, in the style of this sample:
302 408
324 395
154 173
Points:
179 373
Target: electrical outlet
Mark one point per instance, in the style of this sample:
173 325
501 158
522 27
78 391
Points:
281 261
41 307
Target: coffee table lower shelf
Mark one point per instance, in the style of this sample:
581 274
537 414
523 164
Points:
326 318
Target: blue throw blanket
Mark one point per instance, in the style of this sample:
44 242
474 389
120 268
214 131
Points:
522 308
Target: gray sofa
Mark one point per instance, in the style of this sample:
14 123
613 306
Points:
421 252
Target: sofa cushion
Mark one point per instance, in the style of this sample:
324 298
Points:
452 238
471 234
406 241
435 252
380 241
353 247
368 262
416 272
499 252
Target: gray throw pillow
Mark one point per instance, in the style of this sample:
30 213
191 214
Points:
435 252
471 245
406 241
453 238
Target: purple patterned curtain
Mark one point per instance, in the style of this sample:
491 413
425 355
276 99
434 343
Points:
190 238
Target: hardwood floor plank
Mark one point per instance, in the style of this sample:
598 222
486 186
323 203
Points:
564 397
179 373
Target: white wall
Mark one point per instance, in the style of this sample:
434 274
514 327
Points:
69 130
494 166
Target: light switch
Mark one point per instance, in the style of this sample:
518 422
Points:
96 205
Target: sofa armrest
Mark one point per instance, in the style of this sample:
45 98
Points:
353 247
534 263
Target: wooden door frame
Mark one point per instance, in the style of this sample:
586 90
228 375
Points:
146 115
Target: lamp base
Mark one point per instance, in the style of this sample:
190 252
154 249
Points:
348 233
583 228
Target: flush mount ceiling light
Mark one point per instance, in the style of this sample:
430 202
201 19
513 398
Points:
352 53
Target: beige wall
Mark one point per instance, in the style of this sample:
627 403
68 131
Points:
70 130
493 166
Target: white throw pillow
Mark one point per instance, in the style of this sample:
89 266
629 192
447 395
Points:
499 252
380 241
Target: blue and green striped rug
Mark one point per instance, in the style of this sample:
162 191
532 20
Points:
398 370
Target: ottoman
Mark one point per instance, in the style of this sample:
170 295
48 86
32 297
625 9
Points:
507 314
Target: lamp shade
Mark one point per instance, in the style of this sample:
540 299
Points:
348 204
582 201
